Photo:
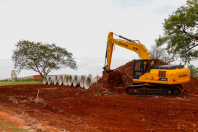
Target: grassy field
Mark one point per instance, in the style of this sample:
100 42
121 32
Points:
15 83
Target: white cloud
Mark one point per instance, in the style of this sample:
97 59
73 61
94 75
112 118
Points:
166 6
81 27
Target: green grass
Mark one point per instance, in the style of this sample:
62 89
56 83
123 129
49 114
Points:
16 83
16 129
12 128
38 100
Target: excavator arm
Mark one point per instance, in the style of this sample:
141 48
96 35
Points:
140 49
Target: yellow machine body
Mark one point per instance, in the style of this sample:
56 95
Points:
155 75
163 76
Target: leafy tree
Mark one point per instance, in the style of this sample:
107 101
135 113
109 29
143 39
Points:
41 58
193 70
160 53
181 32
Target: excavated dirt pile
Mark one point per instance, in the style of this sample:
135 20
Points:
190 87
117 81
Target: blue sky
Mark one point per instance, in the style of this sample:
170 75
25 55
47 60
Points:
82 27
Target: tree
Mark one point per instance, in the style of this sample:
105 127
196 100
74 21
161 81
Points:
181 32
41 58
160 53
193 70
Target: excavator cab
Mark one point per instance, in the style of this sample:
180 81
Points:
140 67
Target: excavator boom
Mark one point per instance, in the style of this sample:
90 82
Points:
140 49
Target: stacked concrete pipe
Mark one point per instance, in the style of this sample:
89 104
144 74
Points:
45 80
50 78
70 80
55 79
76 81
82 81
89 80
94 79
65 80
60 80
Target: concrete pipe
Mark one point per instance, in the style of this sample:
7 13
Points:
50 78
65 80
55 79
89 80
94 79
82 81
45 80
70 80
76 81
60 80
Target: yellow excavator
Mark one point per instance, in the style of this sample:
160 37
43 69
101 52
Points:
148 77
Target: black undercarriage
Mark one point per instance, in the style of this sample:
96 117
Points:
154 89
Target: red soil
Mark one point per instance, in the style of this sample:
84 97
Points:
72 109
104 107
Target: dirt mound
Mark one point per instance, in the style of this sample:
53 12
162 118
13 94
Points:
190 87
113 82
113 78
159 62
116 81
109 84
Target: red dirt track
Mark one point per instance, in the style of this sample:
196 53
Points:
104 107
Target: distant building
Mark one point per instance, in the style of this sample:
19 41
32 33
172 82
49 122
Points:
13 74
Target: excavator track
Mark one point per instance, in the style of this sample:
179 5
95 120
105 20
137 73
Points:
145 89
